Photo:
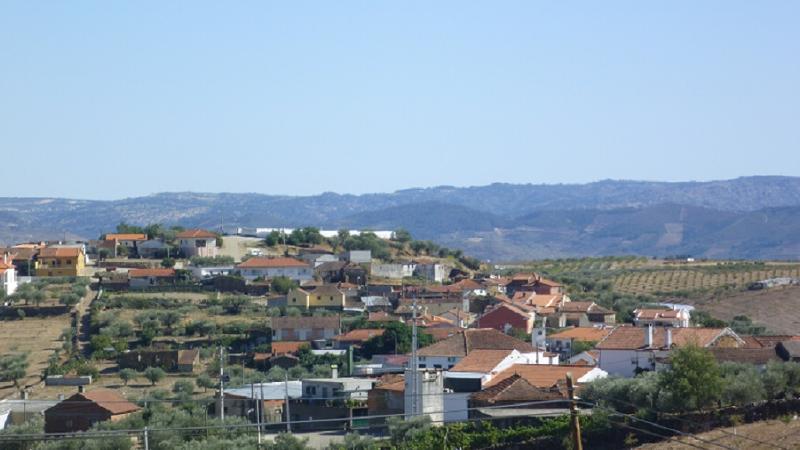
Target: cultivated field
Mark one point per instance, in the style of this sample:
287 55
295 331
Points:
765 435
37 336
699 277
777 308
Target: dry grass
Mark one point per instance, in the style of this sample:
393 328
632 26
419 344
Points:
39 337
777 308
756 436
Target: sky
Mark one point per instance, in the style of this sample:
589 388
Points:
106 100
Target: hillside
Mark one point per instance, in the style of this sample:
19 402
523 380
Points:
753 217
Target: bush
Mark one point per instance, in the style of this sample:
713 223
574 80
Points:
184 387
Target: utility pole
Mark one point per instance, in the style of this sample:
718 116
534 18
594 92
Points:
414 363
146 441
575 423
260 409
221 384
286 403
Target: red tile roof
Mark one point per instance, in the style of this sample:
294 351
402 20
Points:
60 252
107 399
155 273
516 389
285 347
630 338
126 237
542 375
586 334
475 339
195 234
266 263
360 335
482 361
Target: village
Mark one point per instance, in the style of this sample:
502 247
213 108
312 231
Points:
293 330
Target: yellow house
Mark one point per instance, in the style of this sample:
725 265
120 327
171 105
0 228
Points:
326 296
60 262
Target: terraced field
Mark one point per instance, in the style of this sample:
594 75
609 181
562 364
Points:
699 277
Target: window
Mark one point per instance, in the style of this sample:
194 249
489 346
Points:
437 366
451 359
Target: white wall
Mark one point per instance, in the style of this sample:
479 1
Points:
624 362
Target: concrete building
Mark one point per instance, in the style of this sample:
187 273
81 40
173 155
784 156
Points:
424 394
393 271
197 243
275 267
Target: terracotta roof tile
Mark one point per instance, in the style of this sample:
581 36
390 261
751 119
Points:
360 334
481 361
586 334
516 389
541 375
475 339
265 263
284 347
628 338
156 273
60 252
195 234
104 398
126 237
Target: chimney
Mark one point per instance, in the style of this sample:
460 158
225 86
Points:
81 389
668 338
334 371
648 340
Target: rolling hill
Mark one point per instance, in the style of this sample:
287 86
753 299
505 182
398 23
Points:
751 217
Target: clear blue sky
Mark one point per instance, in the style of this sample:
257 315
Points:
115 99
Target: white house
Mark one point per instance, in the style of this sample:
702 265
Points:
628 351
445 354
275 267
200 273
197 243
8 276
394 271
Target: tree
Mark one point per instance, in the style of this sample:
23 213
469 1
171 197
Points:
693 381
204 381
354 441
273 238
168 263
127 375
396 339
184 387
13 367
286 441
402 236
38 297
154 374
741 385
282 285
405 430
69 299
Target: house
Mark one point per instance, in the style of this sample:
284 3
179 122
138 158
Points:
447 353
130 241
197 243
287 347
204 273
506 317
326 399
432 272
182 361
587 358
533 282
305 328
627 350
25 260
275 267
386 398
358 256
563 342
82 410
458 317
325 296
789 350
8 276
549 375
153 248
480 366
260 402
61 262
512 392
643 317
393 270
584 314
758 357
356 337
376 303
145 278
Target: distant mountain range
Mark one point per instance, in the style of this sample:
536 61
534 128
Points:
750 217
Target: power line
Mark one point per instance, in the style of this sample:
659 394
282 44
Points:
660 436
111 433
720 429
